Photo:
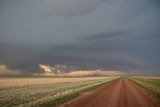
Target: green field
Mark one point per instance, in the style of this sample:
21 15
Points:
48 94
150 83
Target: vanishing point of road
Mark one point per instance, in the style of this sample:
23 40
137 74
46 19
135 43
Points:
121 93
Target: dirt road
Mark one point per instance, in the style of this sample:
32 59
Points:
121 93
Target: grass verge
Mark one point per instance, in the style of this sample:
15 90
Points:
151 84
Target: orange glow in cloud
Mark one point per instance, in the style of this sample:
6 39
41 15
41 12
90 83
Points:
94 73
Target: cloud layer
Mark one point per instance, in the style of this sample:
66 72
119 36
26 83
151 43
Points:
70 7
86 34
4 71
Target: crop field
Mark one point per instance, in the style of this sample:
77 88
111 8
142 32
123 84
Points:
12 83
151 83
45 91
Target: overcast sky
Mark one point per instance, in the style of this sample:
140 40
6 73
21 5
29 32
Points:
88 34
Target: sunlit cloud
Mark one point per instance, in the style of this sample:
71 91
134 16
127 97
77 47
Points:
46 68
60 70
94 73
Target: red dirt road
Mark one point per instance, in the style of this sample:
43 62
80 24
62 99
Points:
121 93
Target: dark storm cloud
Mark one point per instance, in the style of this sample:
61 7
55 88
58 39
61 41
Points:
88 34
106 35
70 8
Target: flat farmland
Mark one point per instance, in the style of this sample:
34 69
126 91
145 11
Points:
45 91
12 83
80 91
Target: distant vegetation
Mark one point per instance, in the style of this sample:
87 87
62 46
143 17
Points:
45 92
18 82
151 83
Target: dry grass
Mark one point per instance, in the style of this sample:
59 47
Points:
9 83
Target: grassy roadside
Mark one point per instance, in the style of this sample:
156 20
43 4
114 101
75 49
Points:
151 84
72 94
